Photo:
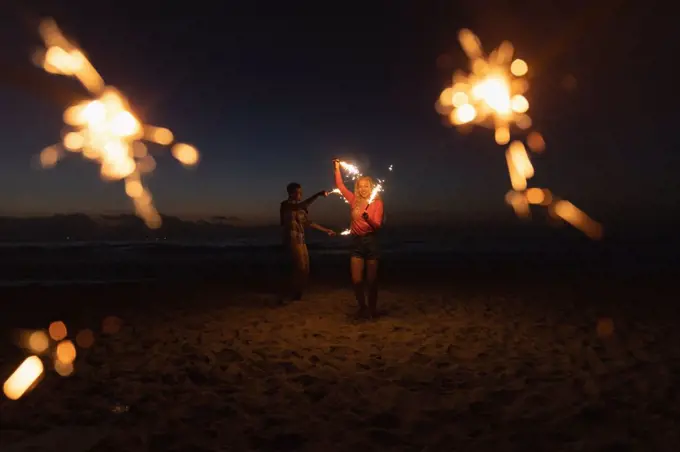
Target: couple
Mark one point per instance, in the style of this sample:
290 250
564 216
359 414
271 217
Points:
366 221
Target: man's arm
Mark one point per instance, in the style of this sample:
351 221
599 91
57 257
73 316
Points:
302 205
318 227
308 202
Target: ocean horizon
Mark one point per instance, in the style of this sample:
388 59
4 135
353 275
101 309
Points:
123 260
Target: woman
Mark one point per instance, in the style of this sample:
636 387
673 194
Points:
366 221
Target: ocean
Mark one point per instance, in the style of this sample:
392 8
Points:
106 261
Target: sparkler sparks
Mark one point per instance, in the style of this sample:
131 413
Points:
23 378
51 345
377 189
492 95
352 170
103 128
355 173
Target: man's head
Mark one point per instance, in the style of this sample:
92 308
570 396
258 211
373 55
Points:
294 191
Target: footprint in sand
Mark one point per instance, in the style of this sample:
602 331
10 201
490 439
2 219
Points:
341 352
283 442
307 380
385 438
385 420
314 359
288 367
419 359
228 355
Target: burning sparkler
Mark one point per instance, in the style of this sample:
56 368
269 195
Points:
23 378
54 346
104 129
355 173
351 169
492 95
377 189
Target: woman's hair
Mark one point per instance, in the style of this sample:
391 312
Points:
370 181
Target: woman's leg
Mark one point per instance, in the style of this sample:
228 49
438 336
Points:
357 269
372 283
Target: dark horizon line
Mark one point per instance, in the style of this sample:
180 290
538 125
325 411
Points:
438 218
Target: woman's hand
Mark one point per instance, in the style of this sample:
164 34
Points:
331 233
336 164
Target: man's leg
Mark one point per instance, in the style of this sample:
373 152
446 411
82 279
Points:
302 266
298 264
287 273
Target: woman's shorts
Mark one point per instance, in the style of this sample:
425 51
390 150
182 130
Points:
365 247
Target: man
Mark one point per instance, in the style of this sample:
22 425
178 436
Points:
294 219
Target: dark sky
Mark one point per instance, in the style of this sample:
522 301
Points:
270 91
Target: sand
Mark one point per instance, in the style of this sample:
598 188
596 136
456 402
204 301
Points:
452 366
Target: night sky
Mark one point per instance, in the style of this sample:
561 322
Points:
270 91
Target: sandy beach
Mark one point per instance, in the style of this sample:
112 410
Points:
570 363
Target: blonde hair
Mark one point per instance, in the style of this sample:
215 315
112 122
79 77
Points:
371 183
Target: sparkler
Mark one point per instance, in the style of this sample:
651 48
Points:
492 96
103 128
355 173
336 191
53 345
377 189
23 378
351 169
